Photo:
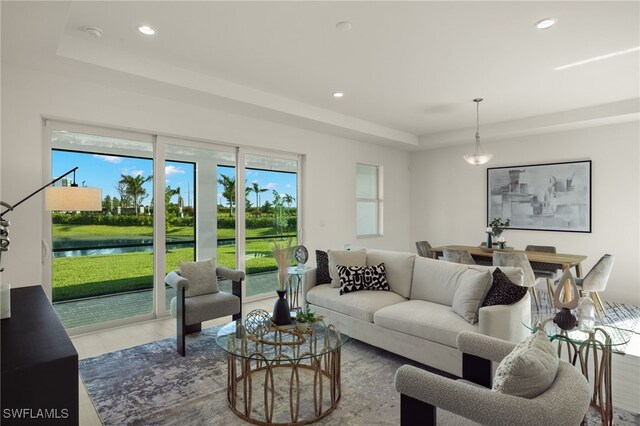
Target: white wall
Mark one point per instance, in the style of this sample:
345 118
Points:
329 179
449 197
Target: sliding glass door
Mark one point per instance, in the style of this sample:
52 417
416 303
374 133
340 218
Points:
271 216
102 262
165 200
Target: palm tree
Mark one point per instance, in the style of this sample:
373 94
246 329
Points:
169 193
255 188
228 191
135 189
288 199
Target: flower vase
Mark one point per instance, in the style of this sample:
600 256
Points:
281 313
489 240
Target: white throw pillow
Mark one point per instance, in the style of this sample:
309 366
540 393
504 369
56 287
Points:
201 275
529 369
473 288
346 258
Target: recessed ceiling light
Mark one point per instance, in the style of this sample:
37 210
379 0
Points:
146 30
343 26
338 94
545 23
93 31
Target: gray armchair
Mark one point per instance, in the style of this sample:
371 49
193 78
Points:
470 400
190 312
424 249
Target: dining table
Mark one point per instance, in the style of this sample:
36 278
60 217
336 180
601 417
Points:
562 261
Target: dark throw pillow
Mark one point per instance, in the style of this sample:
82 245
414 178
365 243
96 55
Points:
356 278
322 268
503 291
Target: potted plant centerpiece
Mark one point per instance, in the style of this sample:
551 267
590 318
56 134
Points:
497 228
282 254
305 319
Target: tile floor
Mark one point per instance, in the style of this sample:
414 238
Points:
97 343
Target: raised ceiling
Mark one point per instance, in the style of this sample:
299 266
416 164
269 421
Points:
409 70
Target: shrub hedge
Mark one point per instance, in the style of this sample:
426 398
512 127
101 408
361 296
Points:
224 221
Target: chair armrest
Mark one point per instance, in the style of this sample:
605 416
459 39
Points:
506 322
308 282
482 346
176 281
230 274
473 402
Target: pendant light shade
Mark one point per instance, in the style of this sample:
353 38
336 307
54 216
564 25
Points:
479 157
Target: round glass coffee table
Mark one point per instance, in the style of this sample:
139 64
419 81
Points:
280 375
583 346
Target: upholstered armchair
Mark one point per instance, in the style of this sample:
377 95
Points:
596 280
458 256
192 306
424 249
546 271
429 399
520 260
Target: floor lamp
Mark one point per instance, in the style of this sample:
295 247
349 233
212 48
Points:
64 198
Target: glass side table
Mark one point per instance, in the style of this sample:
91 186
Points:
279 365
593 350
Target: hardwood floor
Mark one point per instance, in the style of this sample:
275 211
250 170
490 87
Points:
100 342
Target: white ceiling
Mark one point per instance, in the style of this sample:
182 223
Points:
409 70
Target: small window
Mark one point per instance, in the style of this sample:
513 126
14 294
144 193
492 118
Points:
368 200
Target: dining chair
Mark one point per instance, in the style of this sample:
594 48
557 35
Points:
596 280
458 256
520 260
424 249
547 271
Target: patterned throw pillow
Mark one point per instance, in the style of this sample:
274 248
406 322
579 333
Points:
356 278
503 291
322 267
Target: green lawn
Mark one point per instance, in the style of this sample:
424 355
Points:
85 276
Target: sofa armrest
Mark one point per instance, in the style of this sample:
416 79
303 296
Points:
308 282
176 281
230 274
506 322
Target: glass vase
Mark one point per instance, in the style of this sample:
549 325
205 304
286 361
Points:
586 313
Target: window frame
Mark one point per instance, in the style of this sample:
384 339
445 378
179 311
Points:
378 201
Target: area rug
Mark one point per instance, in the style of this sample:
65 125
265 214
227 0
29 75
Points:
152 385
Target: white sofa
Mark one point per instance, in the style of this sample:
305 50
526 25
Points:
415 319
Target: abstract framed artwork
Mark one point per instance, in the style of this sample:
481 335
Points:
542 197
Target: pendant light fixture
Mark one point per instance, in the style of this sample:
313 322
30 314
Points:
479 157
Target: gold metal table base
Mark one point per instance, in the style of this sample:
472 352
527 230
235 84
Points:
600 350
240 386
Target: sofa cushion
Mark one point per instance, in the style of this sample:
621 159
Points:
356 278
347 258
322 267
435 280
503 291
473 288
529 369
361 304
201 275
426 320
399 268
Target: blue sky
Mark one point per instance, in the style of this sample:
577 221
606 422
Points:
102 171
